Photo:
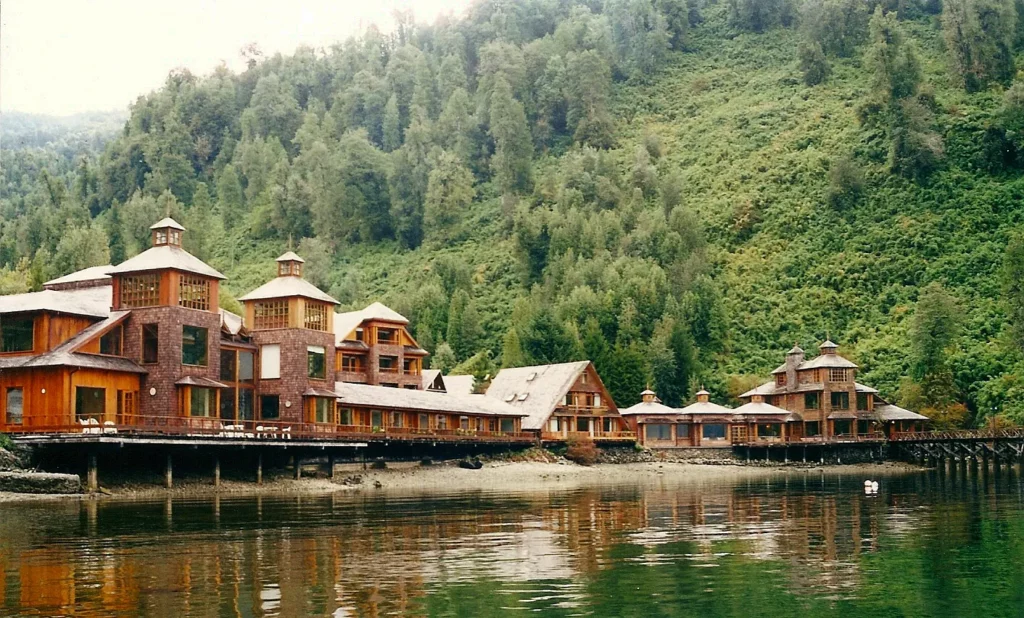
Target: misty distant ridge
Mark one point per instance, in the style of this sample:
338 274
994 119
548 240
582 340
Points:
87 131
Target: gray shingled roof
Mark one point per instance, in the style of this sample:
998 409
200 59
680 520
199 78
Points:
166 222
705 407
166 257
425 401
65 356
93 273
286 287
291 256
828 361
535 390
348 321
91 302
649 407
890 412
459 385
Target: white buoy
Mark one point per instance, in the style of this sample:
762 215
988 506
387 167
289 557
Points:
867 483
874 485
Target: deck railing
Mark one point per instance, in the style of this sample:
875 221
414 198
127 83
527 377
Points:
958 434
203 427
585 435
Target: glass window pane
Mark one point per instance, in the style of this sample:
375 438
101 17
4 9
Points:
15 406
110 343
317 361
200 401
270 407
714 432
150 343
227 365
245 366
90 402
227 404
193 345
682 431
245 404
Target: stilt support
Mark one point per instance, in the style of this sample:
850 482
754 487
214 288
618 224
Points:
169 473
216 470
330 466
297 465
92 474
259 469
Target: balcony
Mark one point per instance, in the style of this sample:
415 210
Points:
597 436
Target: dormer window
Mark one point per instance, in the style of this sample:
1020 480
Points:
780 379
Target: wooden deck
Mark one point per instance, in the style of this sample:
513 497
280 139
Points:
211 431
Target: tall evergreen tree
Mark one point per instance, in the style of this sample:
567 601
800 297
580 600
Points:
512 148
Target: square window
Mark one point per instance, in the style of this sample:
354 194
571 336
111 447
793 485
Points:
193 345
811 401
201 401
228 362
270 362
270 407
90 402
840 400
316 358
16 334
245 366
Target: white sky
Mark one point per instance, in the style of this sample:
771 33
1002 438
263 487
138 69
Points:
67 56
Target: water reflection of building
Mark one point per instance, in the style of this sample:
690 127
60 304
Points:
373 556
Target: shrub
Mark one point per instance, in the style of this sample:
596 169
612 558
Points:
5 442
845 184
581 451
813 63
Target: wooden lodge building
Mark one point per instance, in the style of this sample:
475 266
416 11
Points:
561 401
806 401
143 348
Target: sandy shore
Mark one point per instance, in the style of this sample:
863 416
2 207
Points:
505 477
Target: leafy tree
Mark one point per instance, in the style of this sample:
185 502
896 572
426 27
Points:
392 125
640 35
464 330
980 37
443 359
409 179
512 354
511 135
1013 286
760 15
80 247
836 26
813 63
589 81
230 197
449 195
897 71
628 377
115 236
272 111
845 183
935 327
677 20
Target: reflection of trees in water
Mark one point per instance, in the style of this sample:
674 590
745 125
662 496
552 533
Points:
711 546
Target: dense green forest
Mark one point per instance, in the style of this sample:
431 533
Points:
675 189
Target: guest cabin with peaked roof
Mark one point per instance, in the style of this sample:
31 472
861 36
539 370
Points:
705 424
562 401
143 348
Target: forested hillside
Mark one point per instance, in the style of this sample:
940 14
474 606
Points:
676 189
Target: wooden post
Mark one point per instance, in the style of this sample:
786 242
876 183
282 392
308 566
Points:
297 465
216 470
169 474
259 469
330 466
92 475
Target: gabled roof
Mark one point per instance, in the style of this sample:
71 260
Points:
91 302
166 257
649 407
165 223
93 273
286 287
348 321
429 376
860 388
536 390
424 401
459 385
231 322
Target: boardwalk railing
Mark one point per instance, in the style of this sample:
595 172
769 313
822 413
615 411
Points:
585 435
203 427
958 434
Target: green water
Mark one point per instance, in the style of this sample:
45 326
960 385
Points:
795 545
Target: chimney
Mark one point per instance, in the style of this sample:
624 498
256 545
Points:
793 360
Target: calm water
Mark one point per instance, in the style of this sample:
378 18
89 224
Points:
797 545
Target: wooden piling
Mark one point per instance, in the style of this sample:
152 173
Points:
330 466
259 469
297 465
92 474
169 473
216 471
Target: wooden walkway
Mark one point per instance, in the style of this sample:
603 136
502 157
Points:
998 446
